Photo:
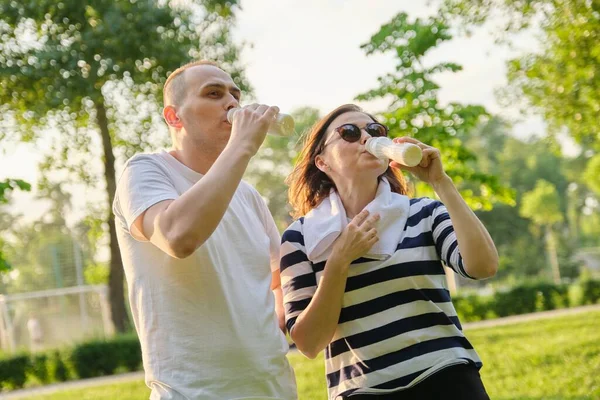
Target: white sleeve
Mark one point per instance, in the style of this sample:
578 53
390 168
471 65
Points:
270 229
445 240
143 183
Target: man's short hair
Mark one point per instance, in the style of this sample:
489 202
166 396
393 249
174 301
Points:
174 89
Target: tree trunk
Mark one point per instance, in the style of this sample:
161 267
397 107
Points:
552 254
118 313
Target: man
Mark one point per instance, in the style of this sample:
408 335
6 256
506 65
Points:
197 243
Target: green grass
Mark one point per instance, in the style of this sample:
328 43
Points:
550 359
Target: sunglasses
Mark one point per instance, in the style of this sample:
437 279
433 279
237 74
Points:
352 133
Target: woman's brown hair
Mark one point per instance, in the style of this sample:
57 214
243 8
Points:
308 184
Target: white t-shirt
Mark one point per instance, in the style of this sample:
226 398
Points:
207 323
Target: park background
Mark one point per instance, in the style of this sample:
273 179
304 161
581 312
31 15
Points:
508 90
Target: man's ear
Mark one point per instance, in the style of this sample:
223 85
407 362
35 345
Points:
171 117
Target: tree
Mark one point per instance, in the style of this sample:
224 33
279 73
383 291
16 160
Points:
592 174
561 81
47 253
90 75
415 109
7 186
520 164
541 205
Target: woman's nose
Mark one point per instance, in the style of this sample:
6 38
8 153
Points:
364 137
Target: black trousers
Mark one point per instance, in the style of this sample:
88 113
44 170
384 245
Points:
460 382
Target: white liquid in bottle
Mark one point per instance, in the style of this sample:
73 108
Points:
408 154
283 125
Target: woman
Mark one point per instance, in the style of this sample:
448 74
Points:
362 268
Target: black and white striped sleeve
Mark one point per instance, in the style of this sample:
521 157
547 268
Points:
445 241
298 278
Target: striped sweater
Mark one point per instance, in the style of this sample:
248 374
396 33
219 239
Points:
397 324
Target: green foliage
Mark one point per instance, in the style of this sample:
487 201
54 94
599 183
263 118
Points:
6 187
592 174
87 77
561 81
520 164
96 274
90 359
531 298
541 205
44 255
10 185
273 162
112 54
4 265
527 298
39 367
58 368
473 308
104 357
590 291
415 109
13 372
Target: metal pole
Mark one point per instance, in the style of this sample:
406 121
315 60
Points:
105 310
80 283
9 327
3 331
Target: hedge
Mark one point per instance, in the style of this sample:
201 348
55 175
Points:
525 299
86 360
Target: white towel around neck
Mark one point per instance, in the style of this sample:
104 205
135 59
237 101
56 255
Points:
324 224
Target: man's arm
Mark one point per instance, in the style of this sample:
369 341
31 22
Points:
179 227
274 247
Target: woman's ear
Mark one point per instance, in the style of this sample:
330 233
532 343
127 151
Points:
321 164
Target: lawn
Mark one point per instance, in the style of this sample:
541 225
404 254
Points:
550 359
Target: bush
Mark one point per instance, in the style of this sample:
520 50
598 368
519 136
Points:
39 368
591 291
519 300
87 360
58 368
104 357
129 352
13 372
473 308
575 295
531 298
527 298
93 359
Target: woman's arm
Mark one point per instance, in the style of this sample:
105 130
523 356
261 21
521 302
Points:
480 257
315 326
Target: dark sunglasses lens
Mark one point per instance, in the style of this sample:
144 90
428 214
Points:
349 132
376 130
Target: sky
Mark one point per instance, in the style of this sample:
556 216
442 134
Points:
307 53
